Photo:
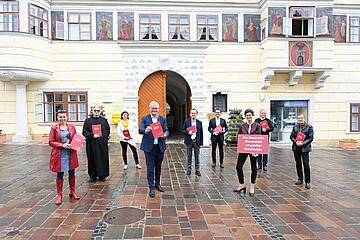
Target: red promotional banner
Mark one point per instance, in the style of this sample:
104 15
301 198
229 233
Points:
218 129
77 141
157 130
300 137
126 134
191 128
253 143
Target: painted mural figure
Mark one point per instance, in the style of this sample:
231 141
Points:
276 22
340 28
230 28
251 28
125 29
104 29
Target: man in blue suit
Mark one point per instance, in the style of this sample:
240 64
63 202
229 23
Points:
153 148
193 140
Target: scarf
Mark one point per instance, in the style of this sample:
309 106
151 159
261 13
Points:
125 124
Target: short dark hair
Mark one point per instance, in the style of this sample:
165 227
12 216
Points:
249 111
122 114
60 111
194 110
217 109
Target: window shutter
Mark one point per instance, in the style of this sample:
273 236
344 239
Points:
38 107
287 26
59 30
310 27
322 25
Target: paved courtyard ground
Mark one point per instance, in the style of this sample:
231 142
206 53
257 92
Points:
192 207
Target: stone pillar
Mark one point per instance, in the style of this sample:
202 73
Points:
198 103
22 134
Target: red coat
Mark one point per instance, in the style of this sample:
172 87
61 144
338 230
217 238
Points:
55 143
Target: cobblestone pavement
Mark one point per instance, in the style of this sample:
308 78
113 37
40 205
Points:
191 207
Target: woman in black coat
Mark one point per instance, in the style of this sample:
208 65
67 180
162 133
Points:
301 136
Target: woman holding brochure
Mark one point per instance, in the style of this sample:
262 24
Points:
248 127
126 131
63 158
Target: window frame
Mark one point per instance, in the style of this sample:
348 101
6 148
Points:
8 13
351 26
207 27
66 103
79 24
150 24
178 25
220 94
313 18
30 16
351 115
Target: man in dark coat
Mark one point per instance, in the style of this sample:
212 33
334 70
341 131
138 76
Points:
217 137
193 140
153 148
263 158
96 130
302 147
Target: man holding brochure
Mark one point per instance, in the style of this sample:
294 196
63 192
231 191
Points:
193 133
217 128
267 126
301 136
153 144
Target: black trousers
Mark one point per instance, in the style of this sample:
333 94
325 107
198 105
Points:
220 143
240 164
189 149
263 159
304 156
124 150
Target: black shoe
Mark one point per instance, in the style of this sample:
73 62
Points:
259 167
251 194
198 173
221 165
152 193
307 185
265 168
240 190
213 165
188 172
92 180
159 187
299 182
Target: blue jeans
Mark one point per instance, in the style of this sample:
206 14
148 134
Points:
153 162
60 175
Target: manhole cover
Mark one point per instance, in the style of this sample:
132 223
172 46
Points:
124 216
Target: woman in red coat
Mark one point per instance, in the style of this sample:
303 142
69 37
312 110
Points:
63 158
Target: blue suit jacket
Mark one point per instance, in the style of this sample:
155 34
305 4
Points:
199 132
148 139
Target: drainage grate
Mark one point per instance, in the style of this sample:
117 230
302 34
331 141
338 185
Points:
124 216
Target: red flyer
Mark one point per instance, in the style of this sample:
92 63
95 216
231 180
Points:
300 137
157 130
126 134
77 141
191 128
96 129
265 124
218 129
253 143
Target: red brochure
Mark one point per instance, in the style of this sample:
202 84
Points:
218 129
191 128
77 141
253 143
126 133
96 129
264 124
300 137
157 130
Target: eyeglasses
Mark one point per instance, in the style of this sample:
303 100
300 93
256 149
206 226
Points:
154 108
95 110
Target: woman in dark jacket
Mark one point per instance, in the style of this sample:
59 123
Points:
63 158
301 148
248 127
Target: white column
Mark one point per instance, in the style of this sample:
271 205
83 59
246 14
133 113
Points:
23 13
22 134
198 103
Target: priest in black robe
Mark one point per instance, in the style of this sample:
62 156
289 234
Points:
97 150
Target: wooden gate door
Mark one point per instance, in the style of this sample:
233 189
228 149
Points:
153 88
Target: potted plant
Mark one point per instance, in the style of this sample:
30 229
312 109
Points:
348 143
2 136
234 121
45 138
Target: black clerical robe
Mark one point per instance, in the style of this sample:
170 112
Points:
97 148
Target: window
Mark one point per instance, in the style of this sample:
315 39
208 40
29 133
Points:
354 29
38 20
302 23
150 27
79 26
9 16
220 101
179 27
75 103
207 28
354 117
